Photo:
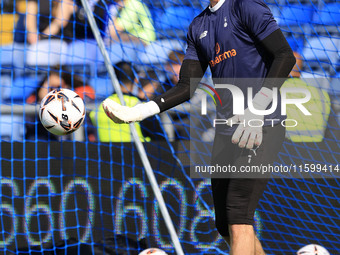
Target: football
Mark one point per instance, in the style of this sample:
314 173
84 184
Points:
153 251
312 249
62 111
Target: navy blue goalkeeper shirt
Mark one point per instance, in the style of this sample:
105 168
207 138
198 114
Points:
227 37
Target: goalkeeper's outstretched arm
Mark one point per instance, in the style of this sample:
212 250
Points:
171 98
183 91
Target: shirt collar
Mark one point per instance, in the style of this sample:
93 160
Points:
217 6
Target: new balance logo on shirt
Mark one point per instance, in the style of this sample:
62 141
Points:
204 34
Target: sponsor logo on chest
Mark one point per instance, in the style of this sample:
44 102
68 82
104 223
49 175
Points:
223 56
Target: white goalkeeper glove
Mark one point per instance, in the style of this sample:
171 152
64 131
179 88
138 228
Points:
250 136
124 114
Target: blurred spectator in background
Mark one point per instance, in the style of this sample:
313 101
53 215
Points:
310 128
180 120
58 77
149 85
82 27
172 67
20 28
6 6
108 131
130 21
297 69
149 82
64 19
46 18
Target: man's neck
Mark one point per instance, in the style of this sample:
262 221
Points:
213 3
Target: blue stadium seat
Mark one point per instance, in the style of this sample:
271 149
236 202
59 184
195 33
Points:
121 52
321 54
151 3
295 43
44 55
5 83
103 87
335 85
328 15
82 58
47 53
6 67
20 89
295 15
12 127
327 20
12 58
274 9
156 13
317 79
117 52
158 51
176 20
19 58
11 65
82 51
6 55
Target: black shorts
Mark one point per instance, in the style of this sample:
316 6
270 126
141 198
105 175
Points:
236 199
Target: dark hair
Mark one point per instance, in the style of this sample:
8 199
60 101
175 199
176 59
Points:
148 77
72 80
125 73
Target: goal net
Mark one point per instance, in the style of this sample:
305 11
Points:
88 192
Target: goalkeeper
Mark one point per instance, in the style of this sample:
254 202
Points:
237 39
